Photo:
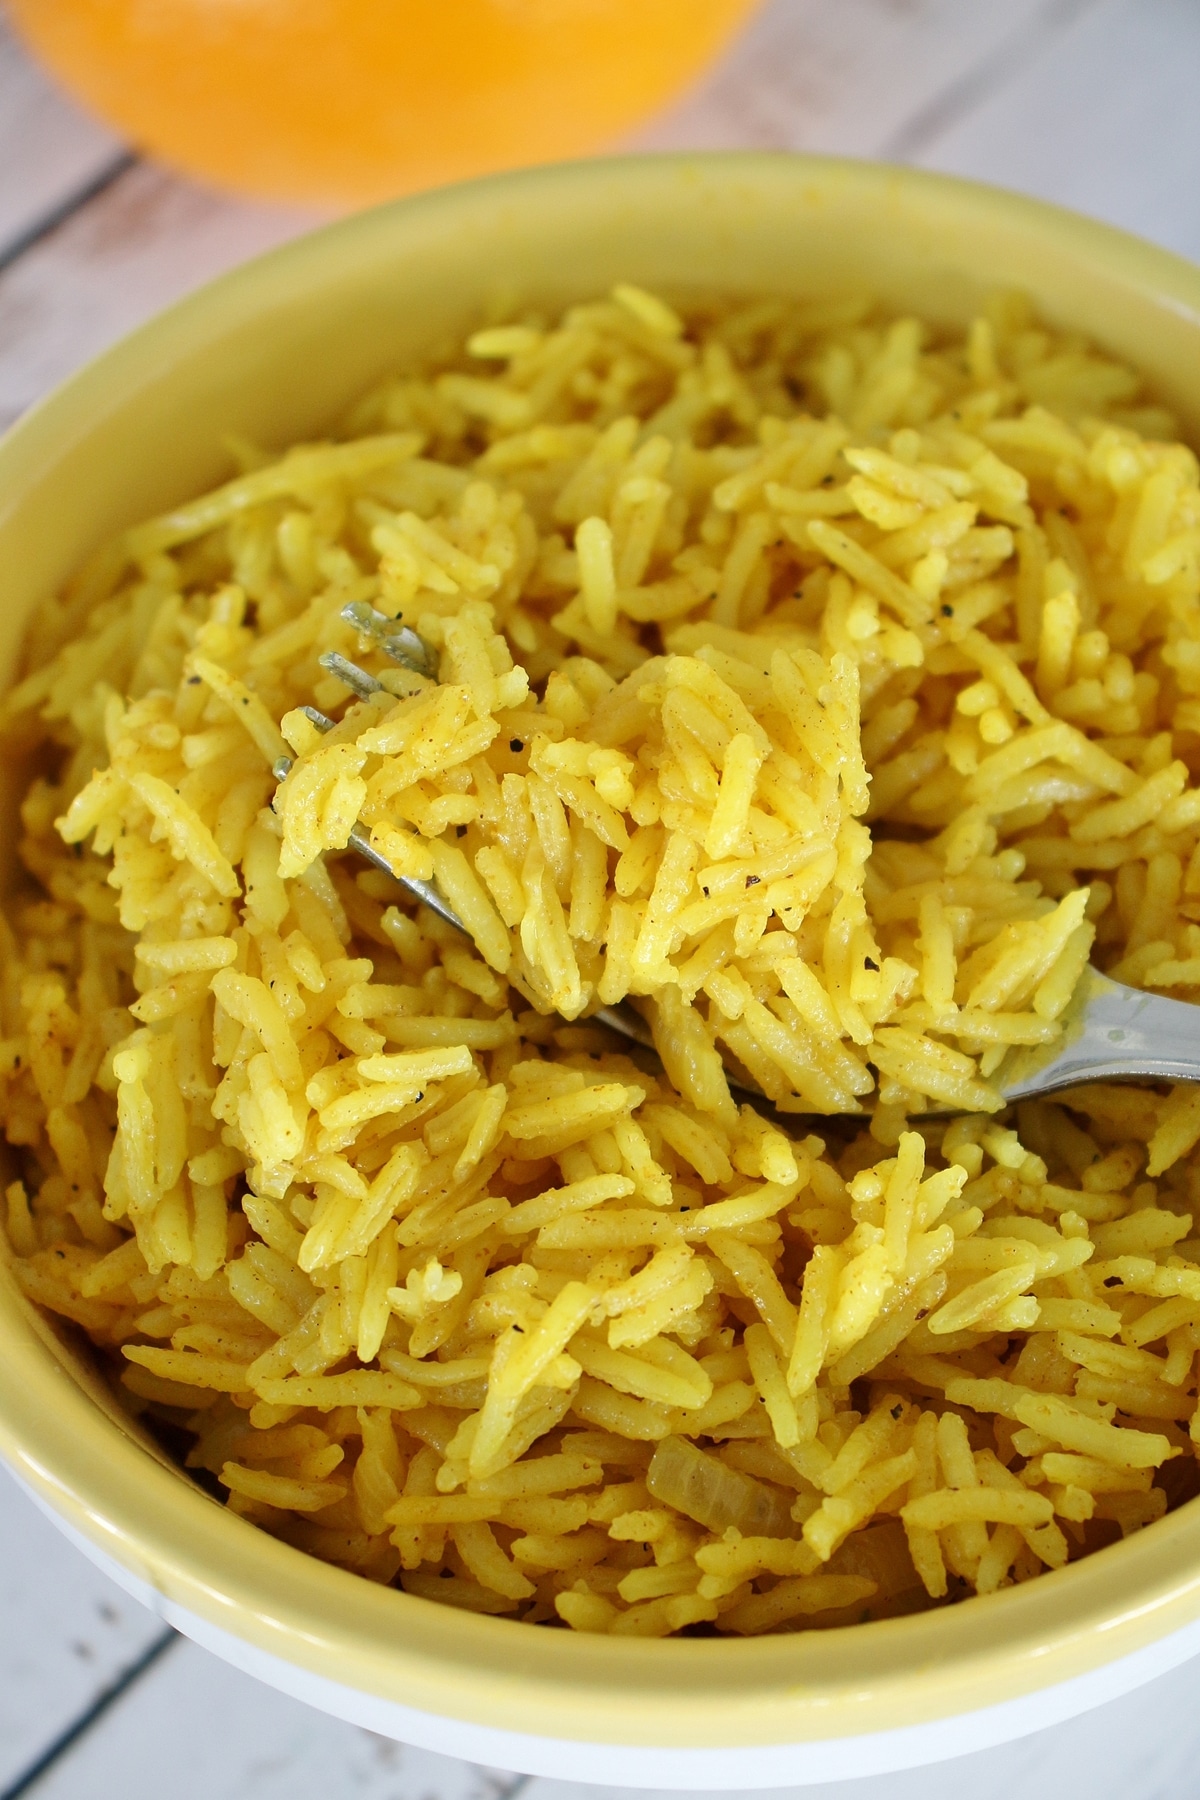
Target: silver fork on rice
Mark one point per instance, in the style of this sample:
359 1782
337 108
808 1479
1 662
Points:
1111 1032
409 650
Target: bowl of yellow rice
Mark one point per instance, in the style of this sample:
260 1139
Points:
808 557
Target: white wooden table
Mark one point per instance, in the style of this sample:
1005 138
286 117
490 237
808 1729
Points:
1092 103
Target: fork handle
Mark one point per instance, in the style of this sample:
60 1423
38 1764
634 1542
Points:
1113 1033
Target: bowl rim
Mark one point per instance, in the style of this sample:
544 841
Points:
807 1687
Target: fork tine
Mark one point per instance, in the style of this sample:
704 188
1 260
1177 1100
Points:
356 679
404 646
360 838
410 651
420 890
282 764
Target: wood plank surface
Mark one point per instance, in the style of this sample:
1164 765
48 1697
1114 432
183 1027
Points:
49 150
66 1632
1143 1747
846 77
1106 120
195 1729
148 239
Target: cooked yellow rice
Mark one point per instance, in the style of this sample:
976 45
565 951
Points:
796 666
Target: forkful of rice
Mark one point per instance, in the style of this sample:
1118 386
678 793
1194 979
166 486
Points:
1102 1030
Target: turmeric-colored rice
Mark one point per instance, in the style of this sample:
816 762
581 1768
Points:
826 685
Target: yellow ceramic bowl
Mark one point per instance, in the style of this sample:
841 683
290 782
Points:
274 351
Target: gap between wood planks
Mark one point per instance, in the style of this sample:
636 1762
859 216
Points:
959 98
90 1716
65 209
26 1782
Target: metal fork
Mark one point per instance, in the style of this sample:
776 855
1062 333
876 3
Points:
410 651
1111 1032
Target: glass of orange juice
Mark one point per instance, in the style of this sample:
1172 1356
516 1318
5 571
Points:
348 101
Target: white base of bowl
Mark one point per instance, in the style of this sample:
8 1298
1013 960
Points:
666 1766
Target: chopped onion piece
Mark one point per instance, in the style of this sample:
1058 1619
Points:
700 1486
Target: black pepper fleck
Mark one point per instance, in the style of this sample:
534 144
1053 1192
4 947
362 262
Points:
870 963
947 612
753 880
516 744
461 830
